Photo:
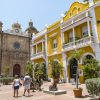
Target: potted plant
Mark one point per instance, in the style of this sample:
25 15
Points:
56 71
76 55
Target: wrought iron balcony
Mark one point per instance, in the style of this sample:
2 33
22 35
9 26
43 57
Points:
78 44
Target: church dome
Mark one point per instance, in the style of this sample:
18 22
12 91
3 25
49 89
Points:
16 25
31 28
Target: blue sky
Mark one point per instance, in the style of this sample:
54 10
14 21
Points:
40 11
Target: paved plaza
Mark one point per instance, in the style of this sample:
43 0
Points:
6 93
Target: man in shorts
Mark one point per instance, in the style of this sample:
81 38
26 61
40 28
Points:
27 82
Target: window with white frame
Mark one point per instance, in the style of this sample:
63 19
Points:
84 31
54 43
71 36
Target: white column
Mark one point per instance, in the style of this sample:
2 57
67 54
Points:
46 53
91 3
88 24
65 67
62 39
94 25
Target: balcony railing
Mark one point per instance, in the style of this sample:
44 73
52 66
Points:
79 43
38 55
76 18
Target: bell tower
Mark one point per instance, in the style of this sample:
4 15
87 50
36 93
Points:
31 29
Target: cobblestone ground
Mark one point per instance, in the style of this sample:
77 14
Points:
6 93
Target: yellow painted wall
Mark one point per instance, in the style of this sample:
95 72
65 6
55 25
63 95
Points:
50 40
39 47
97 10
85 50
38 39
78 30
52 58
66 35
34 49
95 1
40 60
74 9
55 24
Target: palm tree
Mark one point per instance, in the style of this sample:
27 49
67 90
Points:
56 71
91 68
29 68
76 55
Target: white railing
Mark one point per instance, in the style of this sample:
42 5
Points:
38 55
68 45
82 42
41 33
79 17
76 18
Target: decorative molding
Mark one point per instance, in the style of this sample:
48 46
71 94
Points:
54 34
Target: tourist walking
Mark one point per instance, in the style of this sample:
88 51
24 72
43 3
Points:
27 82
16 84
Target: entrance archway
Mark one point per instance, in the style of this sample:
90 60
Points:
73 68
16 70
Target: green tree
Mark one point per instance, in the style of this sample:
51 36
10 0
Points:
56 72
76 55
91 68
38 71
85 0
29 68
43 68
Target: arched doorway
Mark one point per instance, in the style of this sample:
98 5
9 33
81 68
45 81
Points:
73 68
16 70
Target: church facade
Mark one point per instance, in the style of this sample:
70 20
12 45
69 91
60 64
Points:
15 49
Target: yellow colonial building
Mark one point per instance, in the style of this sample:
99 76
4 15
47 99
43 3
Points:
79 29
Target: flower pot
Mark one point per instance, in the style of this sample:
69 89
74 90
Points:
77 92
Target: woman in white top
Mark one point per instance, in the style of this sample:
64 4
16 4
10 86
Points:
16 84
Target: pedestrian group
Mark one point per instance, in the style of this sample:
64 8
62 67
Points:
28 83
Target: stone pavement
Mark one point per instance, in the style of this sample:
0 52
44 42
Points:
6 93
